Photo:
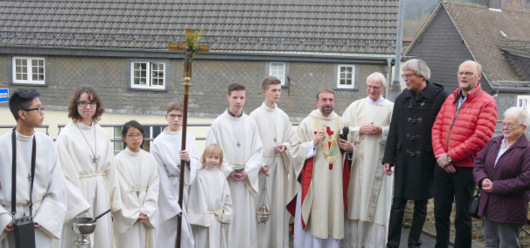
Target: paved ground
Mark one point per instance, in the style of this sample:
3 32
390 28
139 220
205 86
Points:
428 237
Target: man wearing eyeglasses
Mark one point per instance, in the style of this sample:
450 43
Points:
409 151
462 128
369 190
45 181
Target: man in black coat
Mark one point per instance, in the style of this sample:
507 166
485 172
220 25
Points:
409 149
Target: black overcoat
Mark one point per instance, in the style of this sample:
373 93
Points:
409 147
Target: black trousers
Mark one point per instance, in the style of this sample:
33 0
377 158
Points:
396 222
457 187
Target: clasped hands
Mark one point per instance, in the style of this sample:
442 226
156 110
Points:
443 162
370 129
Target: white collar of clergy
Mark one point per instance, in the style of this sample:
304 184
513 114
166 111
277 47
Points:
84 126
268 108
317 114
378 101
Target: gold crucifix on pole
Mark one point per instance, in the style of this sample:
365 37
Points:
191 48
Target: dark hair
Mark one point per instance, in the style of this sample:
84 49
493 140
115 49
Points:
21 99
235 87
128 126
325 90
174 105
92 95
268 81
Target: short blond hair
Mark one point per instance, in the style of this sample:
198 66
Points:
212 150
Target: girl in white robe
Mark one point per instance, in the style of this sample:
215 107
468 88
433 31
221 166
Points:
86 156
210 206
138 180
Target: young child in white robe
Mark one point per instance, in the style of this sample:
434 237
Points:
210 206
138 180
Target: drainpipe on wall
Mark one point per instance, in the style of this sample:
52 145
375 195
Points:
396 87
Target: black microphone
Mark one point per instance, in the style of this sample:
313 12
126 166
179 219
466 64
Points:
345 131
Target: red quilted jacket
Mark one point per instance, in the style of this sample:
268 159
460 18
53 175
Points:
464 135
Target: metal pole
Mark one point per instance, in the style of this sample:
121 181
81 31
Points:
186 85
396 87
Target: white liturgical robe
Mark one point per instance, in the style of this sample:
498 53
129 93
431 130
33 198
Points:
48 188
138 176
242 149
165 148
370 190
320 211
90 184
274 129
209 208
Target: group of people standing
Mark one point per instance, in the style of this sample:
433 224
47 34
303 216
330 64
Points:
334 182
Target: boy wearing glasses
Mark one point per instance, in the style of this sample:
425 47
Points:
47 201
166 149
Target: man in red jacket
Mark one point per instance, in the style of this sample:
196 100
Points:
462 128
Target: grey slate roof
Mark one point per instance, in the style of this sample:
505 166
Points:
305 26
482 31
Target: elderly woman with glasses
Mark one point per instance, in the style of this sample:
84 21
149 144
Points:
502 171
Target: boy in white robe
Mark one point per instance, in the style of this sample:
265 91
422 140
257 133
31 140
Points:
210 206
138 176
238 136
48 194
275 130
166 148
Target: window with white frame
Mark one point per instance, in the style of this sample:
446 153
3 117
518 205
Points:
523 102
277 69
346 76
148 75
30 70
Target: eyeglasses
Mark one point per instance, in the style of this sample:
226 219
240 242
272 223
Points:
405 76
134 136
374 87
510 125
467 74
40 110
175 116
83 104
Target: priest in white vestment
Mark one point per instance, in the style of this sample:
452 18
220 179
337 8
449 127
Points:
238 136
166 148
318 164
369 190
276 132
210 205
48 194
138 176
86 156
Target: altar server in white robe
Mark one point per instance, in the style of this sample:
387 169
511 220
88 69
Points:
238 136
48 195
320 166
210 206
275 130
369 191
86 156
138 176
166 148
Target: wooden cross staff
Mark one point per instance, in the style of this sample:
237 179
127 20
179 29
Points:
190 48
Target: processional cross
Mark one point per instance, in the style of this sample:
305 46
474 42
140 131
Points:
190 49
